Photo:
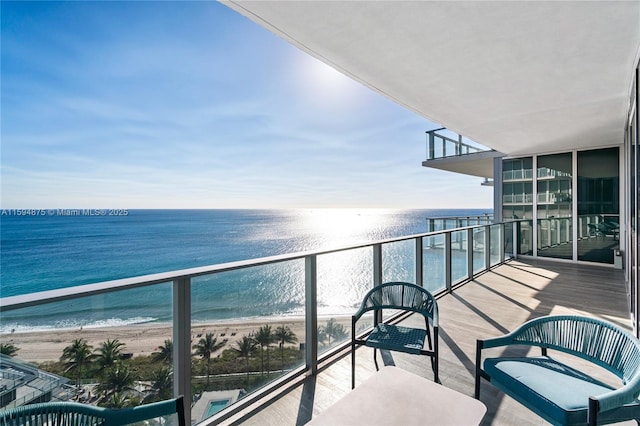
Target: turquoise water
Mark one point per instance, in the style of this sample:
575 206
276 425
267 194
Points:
50 251
215 406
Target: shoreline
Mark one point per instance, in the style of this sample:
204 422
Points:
144 339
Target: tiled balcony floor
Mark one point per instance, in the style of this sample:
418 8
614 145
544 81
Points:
492 304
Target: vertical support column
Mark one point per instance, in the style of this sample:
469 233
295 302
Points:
447 261
419 259
311 313
497 190
470 253
182 341
574 205
535 229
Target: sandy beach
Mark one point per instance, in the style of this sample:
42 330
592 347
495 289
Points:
145 338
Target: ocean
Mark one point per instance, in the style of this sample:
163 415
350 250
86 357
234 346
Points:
50 249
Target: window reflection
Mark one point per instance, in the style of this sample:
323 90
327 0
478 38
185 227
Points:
598 205
517 198
554 201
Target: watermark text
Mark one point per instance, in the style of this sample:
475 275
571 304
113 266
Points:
64 212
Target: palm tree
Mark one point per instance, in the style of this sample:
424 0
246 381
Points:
76 357
245 348
265 338
332 329
118 379
109 353
205 347
161 386
8 349
165 353
117 400
284 335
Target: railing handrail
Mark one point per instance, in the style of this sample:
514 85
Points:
37 298
457 142
460 147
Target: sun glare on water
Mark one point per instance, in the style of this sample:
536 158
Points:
343 226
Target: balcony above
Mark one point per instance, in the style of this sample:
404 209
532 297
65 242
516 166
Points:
454 153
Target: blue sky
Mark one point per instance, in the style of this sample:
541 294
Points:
190 105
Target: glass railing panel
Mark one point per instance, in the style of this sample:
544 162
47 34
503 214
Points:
525 234
343 280
459 258
449 148
101 350
433 263
247 329
508 239
399 261
438 147
495 237
479 249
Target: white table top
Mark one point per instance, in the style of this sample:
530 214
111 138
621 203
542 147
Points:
394 396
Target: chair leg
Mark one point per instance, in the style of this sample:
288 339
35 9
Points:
436 377
429 339
375 359
479 345
353 366
434 367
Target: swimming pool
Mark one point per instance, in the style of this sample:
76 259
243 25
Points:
215 406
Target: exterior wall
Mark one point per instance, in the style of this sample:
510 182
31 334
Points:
497 190
632 203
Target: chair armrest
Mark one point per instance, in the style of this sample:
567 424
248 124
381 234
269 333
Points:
494 342
619 397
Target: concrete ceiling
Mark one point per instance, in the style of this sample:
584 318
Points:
519 77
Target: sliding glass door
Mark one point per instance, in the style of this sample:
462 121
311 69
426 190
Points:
598 204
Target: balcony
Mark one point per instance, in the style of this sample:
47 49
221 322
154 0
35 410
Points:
495 298
452 152
489 305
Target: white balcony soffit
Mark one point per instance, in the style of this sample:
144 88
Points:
477 164
519 77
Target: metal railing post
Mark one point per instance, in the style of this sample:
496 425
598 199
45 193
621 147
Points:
470 253
501 248
487 247
447 261
182 341
377 264
516 240
377 271
431 154
311 313
419 265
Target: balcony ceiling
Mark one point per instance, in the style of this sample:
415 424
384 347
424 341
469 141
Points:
519 77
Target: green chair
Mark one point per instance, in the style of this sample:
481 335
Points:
76 414
403 297
560 391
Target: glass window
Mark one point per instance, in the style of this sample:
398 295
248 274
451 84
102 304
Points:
518 198
554 231
598 205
